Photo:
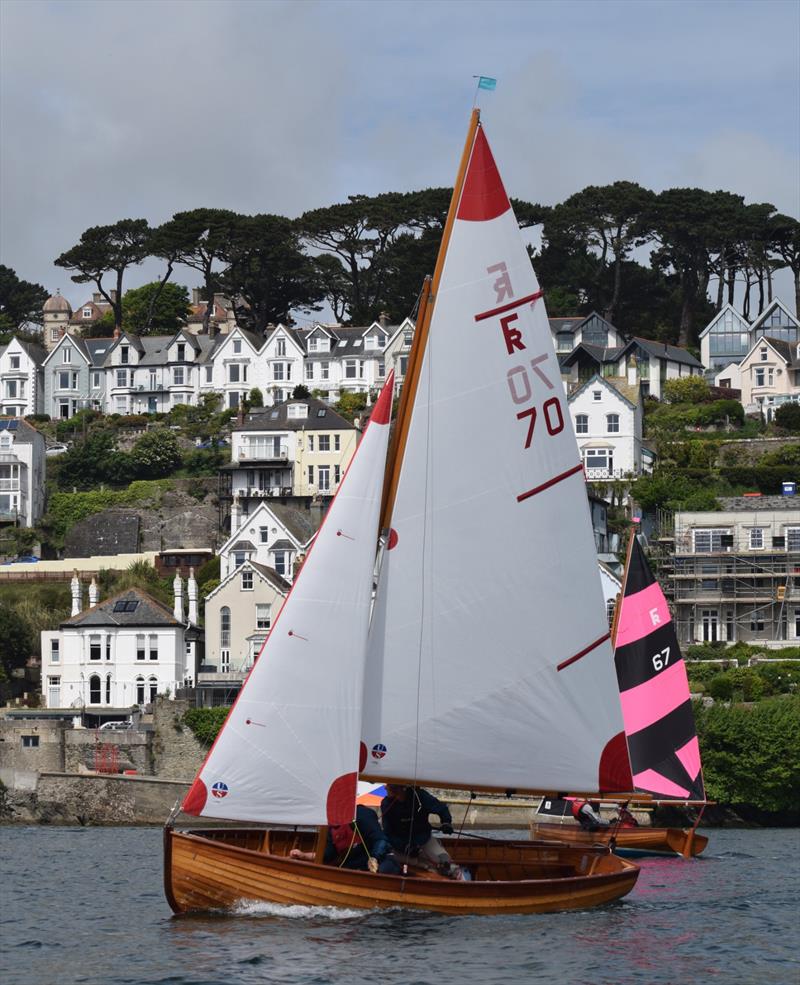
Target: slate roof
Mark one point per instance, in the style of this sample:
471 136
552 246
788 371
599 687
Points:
321 417
271 575
297 522
36 352
600 354
24 433
662 350
149 612
629 393
97 350
282 545
786 350
243 545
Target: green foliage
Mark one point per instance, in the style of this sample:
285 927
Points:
205 723
300 392
751 755
141 575
20 303
350 405
67 509
787 416
208 570
204 461
155 308
207 587
785 455
256 397
17 640
687 390
156 454
671 489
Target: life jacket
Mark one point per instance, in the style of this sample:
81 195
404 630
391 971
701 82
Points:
577 806
342 837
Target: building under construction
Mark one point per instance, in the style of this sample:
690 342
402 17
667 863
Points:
733 575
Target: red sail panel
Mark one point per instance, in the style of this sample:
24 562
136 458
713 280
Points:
654 690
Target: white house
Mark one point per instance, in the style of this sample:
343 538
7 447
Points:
592 330
729 377
281 365
272 535
21 378
607 416
117 653
236 366
653 363
770 375
22 472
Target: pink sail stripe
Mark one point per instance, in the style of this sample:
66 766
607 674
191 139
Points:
649 702
689 755
641 614
654 782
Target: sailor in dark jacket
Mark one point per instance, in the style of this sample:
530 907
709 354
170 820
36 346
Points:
404 815
361 844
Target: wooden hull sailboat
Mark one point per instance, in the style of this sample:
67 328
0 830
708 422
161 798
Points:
210 870
628 842
448 677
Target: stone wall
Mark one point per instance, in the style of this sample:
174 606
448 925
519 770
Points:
748 451
177 755
16 753
90 749
108 533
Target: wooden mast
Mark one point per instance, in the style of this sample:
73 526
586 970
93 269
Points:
427 303
621 596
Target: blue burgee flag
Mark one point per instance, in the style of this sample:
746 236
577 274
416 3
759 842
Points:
484 82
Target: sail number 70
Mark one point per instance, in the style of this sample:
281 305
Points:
660 660
520 386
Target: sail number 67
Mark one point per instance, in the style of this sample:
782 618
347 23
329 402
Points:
660 660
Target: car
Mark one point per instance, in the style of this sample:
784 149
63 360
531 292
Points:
58 449
26 559
116 725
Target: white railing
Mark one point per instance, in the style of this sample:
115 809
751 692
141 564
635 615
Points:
263 453
10 485
595 474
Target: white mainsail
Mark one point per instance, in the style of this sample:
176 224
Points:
289 749
488 661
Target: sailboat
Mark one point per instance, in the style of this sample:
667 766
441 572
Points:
659 723
480 659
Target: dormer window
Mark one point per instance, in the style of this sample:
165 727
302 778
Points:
87 312
297 411
597 395
15 362
66 355
237 347
181 351
764 353
280 347
408 336
312 344
123 354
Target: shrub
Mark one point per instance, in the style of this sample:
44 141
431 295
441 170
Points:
687 389
205 723
787 416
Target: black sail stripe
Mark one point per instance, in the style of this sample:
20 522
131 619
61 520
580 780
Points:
634 662
639 575
658 742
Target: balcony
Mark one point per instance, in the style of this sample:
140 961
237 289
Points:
256 493
151 388
601 474
263 453
10 485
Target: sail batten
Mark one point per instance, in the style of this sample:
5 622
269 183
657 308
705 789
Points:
491 580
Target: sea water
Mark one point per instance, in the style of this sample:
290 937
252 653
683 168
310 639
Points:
85 905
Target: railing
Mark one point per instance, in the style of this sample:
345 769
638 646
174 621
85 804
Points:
10 485
595 474
259 453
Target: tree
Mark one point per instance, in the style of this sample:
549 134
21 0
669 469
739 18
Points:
155 308
21 302
785 243
197 238
16 639
156 454
787 416
256 398
267 274
108 249
93 461
687 389
300 392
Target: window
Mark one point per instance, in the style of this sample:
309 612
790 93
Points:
312 344
237 346
177 376
793 538
108 689
581 424
247 581
278 372
224 661
66 355
757 622
612 423
280 347
611 605
759 377
108 647
756 539
181 351
309 371
122 377
54 334
337 442
324 478
324 371
126 605
152 643
381 368
770 376
152 686
87 312
139 690
64 380
280 562
94 689
311 442
598 458
336 474
408 336
233 399
55 651
54 692
233 373
324 442
712 541
263 534
124 354
764 353
96 381
263 618
30 741
311 475
11 389
597 395
95 648
15 362
224 627
140 646
797 623
350 369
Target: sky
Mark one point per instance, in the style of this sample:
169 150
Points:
112 110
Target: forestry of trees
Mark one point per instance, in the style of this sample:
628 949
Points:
21 302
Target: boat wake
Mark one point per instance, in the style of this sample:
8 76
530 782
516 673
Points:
294 911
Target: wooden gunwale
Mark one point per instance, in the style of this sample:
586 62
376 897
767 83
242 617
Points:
661 841
202 874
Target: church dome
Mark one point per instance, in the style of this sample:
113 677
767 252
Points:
57 303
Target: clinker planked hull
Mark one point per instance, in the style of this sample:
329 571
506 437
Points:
217 870
636 842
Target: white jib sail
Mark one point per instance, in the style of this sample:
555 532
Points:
488 661
289 749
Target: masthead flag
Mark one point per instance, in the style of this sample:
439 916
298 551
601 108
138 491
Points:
484 82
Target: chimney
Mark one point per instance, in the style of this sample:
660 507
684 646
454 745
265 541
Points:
75 586
196 299
97 297
113 295
177 588
191 587
212 329
93 593
236 513
383 319
116 333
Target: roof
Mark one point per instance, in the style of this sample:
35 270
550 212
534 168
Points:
24 433
775 303
98 310
662 350
243 545
630 393
726 307
600 354
148 612
272 576
36 352
57 303
297 522
321 417
282 545
786 350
